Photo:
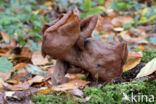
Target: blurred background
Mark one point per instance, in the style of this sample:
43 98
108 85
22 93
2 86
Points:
133 21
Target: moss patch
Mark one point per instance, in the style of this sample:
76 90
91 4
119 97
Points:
148 55
109 94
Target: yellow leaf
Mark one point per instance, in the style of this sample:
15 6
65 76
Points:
48 3
20 65
45 91
145 11
102 8
148 69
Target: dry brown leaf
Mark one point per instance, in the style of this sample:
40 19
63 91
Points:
1 82
4 76
125 35
26 53
38 59
36 79
20 65
120 20
74 83
25 85
148 69
20 76
133 59
5 37
21 86
104 24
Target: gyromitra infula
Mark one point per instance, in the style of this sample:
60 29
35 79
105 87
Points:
67 39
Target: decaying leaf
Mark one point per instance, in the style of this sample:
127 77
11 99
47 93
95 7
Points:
36 79
26 85
18 87
74 83
38 59
148 69
76 92
4 76
22 97
26 53
20 76
2 100
120 20
133 59
5 37
1 83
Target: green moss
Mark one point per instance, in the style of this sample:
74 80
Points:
113 94
54 98
109 94
148 55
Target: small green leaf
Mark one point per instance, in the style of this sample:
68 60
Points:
83 77
127 26
122 6
83 15
5 65
114 6
101 2
93 11
87 5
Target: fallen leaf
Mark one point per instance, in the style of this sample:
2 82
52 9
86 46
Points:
18 97
26 53
25 85
4 76
148 69
74 83
20 76
104 24
18 87
38 59
20 65
5 65
76 92
120 20
5 37
1 82
48 3
36 79
133 59
35 70
11 81
2 100
45 91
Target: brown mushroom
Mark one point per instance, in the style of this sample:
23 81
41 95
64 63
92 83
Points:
67 39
